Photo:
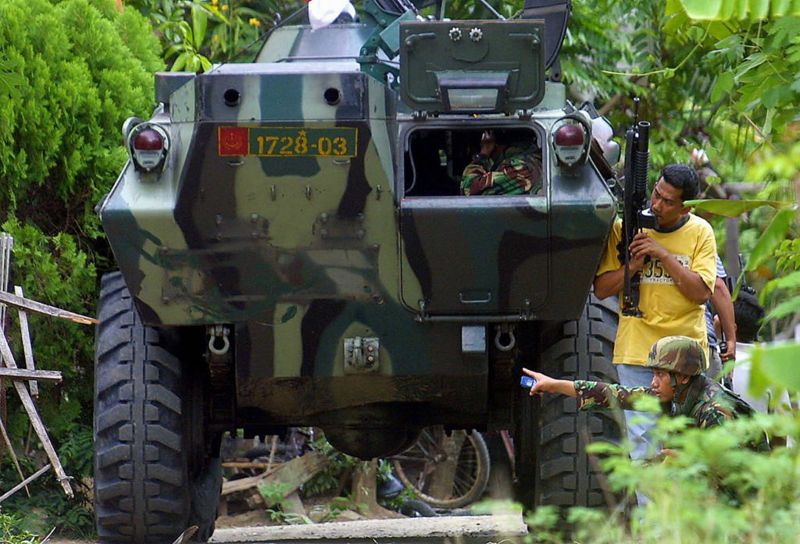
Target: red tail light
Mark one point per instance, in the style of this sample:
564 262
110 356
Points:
148 140
571 136
148 145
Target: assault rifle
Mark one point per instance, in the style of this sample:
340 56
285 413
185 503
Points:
636 214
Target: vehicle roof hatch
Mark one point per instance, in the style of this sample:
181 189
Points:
472 66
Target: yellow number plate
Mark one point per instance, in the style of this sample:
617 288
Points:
288 141
303 142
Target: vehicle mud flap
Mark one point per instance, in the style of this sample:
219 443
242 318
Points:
140 464
206 489
552 467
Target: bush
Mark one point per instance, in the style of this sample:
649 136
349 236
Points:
73 71
85 68
715 490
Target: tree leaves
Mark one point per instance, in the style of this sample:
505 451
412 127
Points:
733 208
771 238
774 366
754 10
9 80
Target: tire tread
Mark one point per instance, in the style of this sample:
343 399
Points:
141 482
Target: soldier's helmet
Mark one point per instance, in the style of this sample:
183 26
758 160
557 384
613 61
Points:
679 354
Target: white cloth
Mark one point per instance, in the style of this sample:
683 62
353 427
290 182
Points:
321 13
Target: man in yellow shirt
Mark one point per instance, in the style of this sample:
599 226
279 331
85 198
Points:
677 260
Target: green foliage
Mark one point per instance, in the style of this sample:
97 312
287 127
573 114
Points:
48 507
84 67
190 41
774 367
738 9
733 208
589 48
59 137
196 33
329 479
274 494
714 489
54 270
10 532
9 81
407 494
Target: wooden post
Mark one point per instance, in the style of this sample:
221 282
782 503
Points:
30 375
39 308
443 477
25 482
7 440
6 243
33 415
292 474
365 491
26 344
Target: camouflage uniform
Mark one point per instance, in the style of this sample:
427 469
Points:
516 171
705 401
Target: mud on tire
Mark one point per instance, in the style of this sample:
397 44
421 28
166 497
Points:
552 467
142 488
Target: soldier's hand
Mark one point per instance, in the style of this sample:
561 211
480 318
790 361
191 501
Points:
644 246
487 143
730 351
636 264
543 382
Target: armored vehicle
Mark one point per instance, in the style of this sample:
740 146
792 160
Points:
295 249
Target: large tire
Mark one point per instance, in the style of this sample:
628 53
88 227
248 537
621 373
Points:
143 489
550 436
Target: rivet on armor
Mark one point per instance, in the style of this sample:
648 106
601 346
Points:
476 34
455 34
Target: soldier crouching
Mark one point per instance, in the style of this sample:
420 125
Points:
677 382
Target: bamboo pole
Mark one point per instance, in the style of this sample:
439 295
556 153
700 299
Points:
30 375
27 349
39 308
7 440
24 483
36 421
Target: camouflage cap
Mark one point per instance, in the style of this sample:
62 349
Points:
679 354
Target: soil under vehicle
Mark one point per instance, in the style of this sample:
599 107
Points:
294 251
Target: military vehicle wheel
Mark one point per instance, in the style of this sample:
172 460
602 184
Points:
445 471
142 429
552 467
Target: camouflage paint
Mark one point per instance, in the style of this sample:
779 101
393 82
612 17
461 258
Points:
299 253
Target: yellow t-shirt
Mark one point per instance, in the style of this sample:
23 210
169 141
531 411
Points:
666 310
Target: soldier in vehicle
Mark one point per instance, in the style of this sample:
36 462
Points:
505 165
678 382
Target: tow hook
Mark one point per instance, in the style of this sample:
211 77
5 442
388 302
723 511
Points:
505 340
218 342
